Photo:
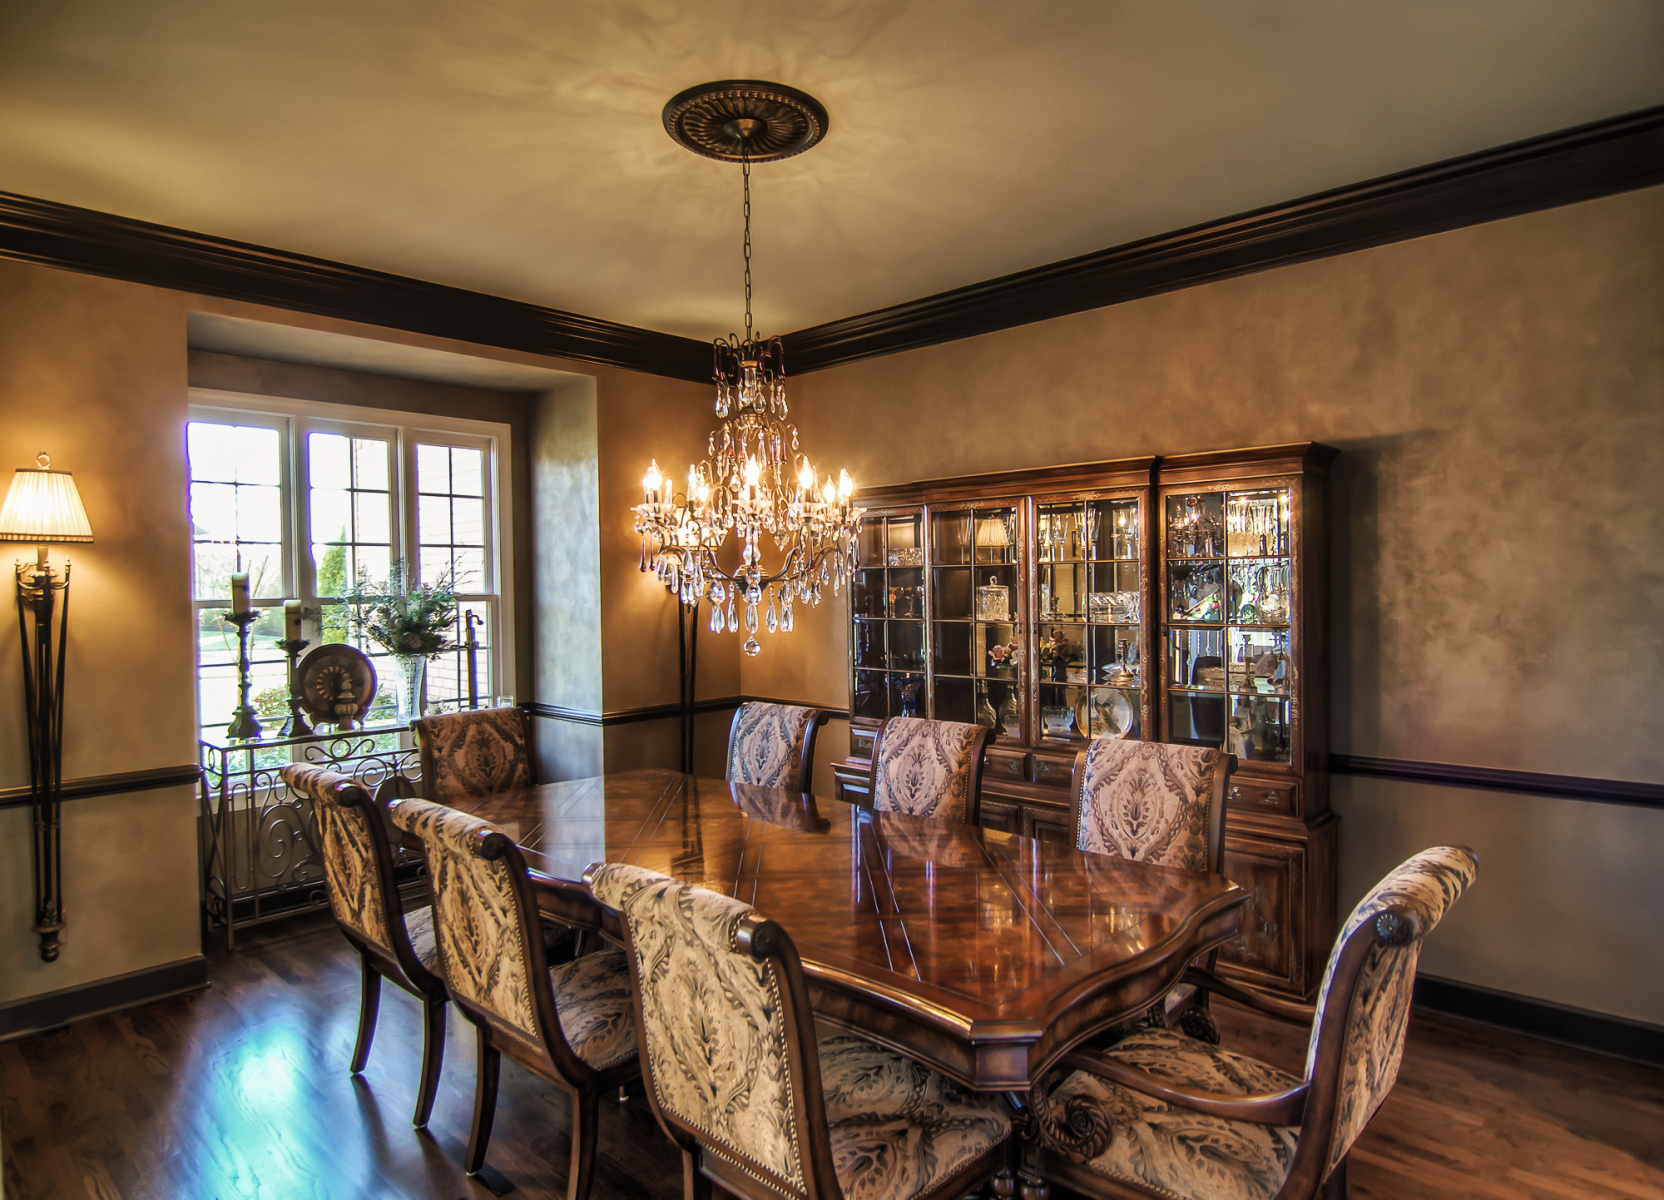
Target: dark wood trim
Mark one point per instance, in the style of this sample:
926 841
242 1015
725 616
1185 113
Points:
1530 783
1580 1028
49 1010
110 785
81 239
663 712
1598 159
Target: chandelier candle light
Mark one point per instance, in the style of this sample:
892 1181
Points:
754 479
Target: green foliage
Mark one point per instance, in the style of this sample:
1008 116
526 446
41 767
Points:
273 702
332 581
403 616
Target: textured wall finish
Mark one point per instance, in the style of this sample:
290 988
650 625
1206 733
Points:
1498 397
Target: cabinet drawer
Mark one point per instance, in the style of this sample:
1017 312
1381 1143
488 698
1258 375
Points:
1005 764
1050 827
860 742
1245 795
1053 772
1001 814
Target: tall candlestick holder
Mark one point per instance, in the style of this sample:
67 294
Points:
295 725
245 726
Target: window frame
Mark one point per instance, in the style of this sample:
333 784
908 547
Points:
295 420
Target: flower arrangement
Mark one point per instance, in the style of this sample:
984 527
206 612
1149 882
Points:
1002 658
1058 649
402 616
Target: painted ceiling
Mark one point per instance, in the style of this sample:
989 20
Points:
515 147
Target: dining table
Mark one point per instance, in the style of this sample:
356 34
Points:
978 952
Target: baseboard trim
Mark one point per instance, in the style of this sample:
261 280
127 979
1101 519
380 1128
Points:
49 1010
1580 1028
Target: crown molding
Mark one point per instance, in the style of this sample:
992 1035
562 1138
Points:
95 243
1599 159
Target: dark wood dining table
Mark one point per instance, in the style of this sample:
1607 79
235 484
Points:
981 953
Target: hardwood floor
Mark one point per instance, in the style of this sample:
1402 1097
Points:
243 1091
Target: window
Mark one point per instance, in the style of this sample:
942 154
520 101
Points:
310 499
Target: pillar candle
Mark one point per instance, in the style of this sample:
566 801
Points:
239 591
291 620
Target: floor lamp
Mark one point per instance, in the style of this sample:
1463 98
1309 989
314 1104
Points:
43 507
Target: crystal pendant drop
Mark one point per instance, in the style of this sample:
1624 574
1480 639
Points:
786 615
733 617
770 621
751 618
751 647
716 619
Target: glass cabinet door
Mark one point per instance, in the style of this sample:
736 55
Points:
976 613
1229 598
1089 588
887 606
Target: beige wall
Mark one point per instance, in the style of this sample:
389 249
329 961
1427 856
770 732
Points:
1498 508
96 372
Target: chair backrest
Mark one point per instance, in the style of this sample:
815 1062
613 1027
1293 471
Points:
1151 802
724 1026
773 745
471 754
358 863
928 768
1363 1008
485 924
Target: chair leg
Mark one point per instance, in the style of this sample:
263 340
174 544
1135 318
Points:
694 1184
369 1004
586 1112
1334 1187
433 1057
485 1103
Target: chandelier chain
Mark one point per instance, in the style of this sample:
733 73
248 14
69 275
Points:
745 171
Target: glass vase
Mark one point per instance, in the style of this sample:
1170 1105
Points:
407 692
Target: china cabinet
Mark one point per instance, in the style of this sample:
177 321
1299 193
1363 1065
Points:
1179 599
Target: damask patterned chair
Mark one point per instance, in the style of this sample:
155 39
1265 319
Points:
391 944
773 745
928 768
1163 1115
570 1025
468 755
1157 803
738 1080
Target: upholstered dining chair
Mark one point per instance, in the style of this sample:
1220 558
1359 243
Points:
1153 802
476 753
928 768
391 944
737 1077
1163 1115
773 745
570 1025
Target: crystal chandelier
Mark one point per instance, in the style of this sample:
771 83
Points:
755 481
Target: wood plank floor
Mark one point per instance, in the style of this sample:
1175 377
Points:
243 1091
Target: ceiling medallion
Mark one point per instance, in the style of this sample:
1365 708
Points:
745 118
754 480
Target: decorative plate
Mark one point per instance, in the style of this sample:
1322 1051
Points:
1105 712
336 682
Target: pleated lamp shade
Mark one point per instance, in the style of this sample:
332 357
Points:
43 506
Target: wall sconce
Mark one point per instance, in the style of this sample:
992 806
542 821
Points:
43 507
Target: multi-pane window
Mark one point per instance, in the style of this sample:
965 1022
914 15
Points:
310 505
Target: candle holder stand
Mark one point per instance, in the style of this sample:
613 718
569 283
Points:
245 726
295 725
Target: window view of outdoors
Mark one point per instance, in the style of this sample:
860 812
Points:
450 537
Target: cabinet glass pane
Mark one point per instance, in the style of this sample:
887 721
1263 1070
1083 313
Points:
1259 662
1112 527
995 651
869 643
871 690
996 593
953 594
1194 591
1260 728
1059 533
1256 523
1113 657
902 542
999 705
907 695
1062 591
1059 721
1108 712
1062 653
951 644
950 538
1196 658
1113 596
1195 719
955 700
1260 591
866 594
1196 525
906 645
906 593
995 531
871 552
